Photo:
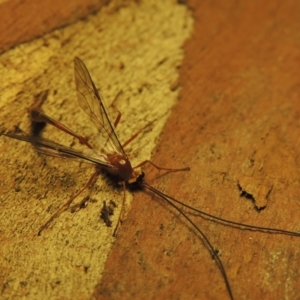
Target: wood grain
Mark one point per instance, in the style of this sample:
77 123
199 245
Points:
22 21
237 124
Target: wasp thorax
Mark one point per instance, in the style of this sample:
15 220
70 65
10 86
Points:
121 166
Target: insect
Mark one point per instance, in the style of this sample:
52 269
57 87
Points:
112 158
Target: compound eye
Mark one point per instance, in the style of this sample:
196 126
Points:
140 177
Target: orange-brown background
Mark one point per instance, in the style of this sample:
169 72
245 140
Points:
237 122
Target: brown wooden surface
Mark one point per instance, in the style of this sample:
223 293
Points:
237 122
22 21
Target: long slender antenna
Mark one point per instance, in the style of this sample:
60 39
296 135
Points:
207 243
224 221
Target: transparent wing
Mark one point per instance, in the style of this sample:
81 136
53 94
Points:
91 102
52 148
